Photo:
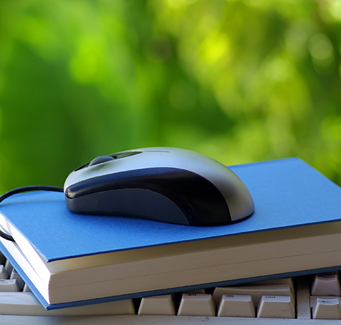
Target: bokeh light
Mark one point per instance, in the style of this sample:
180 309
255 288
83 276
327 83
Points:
240 81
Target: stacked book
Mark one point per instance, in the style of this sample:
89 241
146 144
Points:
69 259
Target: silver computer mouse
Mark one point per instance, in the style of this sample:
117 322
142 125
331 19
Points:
161 184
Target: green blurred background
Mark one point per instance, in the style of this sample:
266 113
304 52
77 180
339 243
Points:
240 81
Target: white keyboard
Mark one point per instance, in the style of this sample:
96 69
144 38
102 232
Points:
284 301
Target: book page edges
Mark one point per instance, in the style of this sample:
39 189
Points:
212 244
204 268
17 257
46 269
27 249
155 272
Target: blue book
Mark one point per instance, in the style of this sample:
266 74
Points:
71 260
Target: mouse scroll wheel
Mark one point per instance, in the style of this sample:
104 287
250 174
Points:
100 159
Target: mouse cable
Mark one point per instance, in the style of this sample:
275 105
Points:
22 190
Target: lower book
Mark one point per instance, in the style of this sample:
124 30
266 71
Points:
69 260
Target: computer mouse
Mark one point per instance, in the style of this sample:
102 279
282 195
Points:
162 184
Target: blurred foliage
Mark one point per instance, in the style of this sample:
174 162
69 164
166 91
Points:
240 81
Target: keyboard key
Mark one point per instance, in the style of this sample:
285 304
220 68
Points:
3 273
275 307
20 281
8 267
24 303
256 291
314 298
8 285
327 308
26 288
157 305
326 285
236 306
193 304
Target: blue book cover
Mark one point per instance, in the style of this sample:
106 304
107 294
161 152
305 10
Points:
286 193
